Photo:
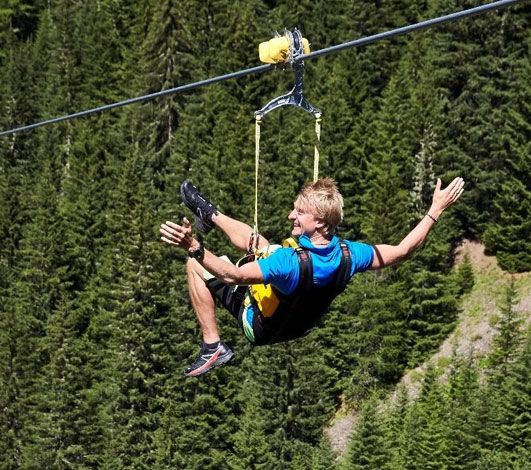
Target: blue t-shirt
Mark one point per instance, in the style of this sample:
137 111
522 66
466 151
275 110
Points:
281 268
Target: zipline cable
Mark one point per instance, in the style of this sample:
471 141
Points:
139 99
264 68
408 29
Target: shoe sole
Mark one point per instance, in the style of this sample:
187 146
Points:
216 361
185 200
193 207
203 225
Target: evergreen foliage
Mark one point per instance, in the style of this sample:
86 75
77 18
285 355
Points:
470 418
95 321
464 277
369 447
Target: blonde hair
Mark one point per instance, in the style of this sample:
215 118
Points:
325 200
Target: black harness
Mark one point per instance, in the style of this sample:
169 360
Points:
299 312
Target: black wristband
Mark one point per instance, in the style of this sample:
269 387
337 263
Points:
198 253
432 218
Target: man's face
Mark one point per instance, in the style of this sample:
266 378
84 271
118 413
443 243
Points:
304 220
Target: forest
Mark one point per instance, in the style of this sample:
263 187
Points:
96 326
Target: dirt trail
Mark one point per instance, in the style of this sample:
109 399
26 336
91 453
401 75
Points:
473 333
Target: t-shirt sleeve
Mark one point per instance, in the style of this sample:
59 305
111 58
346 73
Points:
281 269
362 256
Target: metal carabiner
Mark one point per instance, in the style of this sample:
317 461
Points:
295 97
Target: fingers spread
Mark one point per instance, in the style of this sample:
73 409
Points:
171 224
167 240
172 231
450 194
175 234
456 197
457 187
164 230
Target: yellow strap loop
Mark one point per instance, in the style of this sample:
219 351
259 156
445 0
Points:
290 243
317 147
258 121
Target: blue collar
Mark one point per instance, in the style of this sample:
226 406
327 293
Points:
305 242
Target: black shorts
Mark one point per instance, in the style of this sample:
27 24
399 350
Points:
231 297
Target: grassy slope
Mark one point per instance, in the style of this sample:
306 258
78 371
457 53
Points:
473 333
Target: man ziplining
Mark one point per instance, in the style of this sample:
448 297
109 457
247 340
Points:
282 295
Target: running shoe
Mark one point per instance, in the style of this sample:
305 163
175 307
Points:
202 208
208 359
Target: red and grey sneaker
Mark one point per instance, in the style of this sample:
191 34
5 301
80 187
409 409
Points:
202 208
208 359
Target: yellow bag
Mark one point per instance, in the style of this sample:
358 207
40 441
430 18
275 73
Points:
263 294
276 50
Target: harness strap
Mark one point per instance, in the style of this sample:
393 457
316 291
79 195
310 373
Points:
317 147
343 274
290 243
258 122
306 281
305 270
298 313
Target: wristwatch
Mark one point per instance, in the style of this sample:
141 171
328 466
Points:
198 253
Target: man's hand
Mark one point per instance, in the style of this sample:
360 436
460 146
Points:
181 235
178 235
444 198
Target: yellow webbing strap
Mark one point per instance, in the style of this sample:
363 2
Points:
317 147
290 243
258 122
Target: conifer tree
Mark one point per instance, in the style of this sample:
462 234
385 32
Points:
484 56
394 421
460 420
322 457
464 276
251 443
507 341
512 419
139 317
504 436
369 447
17 341
312 396
508 239
380 342
425 427
507 236
32 296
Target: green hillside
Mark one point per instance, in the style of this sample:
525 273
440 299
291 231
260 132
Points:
493 323
95 322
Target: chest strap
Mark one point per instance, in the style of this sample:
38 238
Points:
341 278
343 274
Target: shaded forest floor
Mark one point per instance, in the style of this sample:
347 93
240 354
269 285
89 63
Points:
473 334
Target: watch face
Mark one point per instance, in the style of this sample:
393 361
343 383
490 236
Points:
197 253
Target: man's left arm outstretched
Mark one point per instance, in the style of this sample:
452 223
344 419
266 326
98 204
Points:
386 255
